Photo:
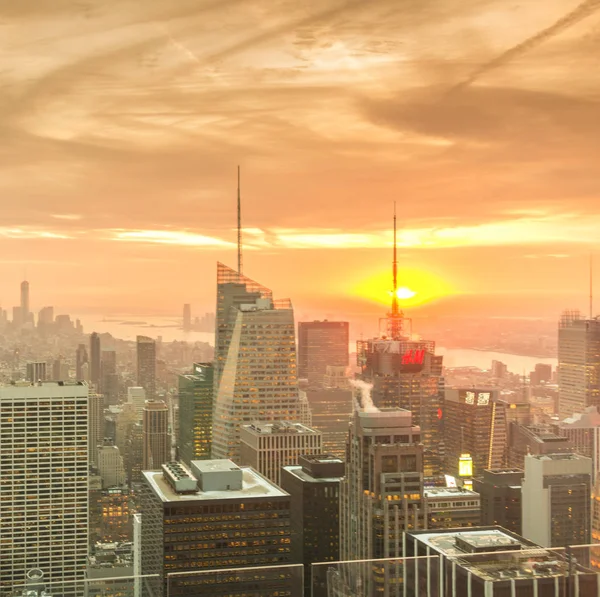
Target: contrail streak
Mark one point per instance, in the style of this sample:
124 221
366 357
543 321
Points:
251 42
584 10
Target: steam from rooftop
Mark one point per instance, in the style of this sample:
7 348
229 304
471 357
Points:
365 395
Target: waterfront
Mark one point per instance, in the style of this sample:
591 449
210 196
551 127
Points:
482 359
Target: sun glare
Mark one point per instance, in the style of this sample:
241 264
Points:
418 287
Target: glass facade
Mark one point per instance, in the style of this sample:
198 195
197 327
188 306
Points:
196 412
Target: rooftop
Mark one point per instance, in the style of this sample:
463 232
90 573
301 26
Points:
449 492
44 389
301 474
258 427
494 554
254 485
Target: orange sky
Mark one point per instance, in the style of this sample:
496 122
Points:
123 122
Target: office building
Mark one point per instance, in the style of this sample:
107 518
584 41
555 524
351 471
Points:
500 493
331 414
81 359
490 562
407 374
109 380
450 508
195 413
25 310
114 561
536 440
137 397
215 516
541 374
146 365
582 430
111 515
157 440
499 370
578 364
314 489
267 447
475 424
556 499
60 370
95 360
45 317
336 378
187 317
96 425
259 378
44 482
133 455
36 371
322 344
110 465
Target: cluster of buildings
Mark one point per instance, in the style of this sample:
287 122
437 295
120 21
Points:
270 470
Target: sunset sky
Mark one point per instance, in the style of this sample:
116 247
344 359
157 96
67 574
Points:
123 121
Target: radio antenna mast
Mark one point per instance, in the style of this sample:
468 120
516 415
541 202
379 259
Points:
591 286
239 224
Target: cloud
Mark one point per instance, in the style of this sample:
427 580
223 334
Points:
169 237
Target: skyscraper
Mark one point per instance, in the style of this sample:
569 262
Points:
556 499
321 343
81 357
44 488
25 312
216 516
96 425
406 374
314 488
233 290
578 364
157 441
146 365
109 380
95 360
187 317
475 424
382 492
195 413
256 349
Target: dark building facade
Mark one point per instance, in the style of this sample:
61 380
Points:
314 488
216 516
475 424
95 360
321 343
195 413
500 493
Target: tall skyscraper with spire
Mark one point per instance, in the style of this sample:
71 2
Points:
255 359
406 373
25 301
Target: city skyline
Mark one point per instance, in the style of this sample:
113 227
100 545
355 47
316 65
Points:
333 112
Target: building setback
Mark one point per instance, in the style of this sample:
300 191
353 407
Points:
215 516
267 447
44 482
314 488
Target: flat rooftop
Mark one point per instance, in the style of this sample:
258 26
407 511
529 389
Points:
44 389
275 427
301 474
495 555
254 485
449 492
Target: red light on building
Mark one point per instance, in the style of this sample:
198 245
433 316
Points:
440 414
413 357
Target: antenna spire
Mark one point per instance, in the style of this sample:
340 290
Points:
239 224
591 285
395 271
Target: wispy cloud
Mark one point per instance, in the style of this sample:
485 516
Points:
168 237
26 232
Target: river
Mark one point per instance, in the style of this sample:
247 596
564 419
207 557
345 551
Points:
465 357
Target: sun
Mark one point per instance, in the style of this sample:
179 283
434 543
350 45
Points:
405 293
418 287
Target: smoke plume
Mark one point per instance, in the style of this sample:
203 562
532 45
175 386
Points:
365 395
584 10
